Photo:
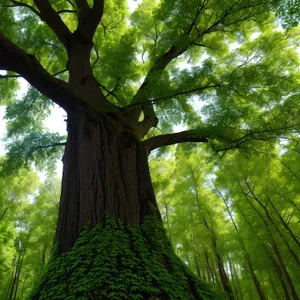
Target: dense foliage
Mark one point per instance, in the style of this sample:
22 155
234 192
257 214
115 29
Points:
224 72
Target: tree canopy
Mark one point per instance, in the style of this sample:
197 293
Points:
223 70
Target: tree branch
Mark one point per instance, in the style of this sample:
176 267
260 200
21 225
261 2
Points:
21 4
16 60
89 18
60 72
50 146
9 76
52 19
150 120
62 11
174 138
150 102
159 65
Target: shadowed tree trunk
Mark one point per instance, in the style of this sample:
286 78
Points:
105 171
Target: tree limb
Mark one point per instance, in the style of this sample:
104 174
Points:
50 146
89 19
62 11
150 120
16 60
21 4
174 138
9 76
52 19
197 89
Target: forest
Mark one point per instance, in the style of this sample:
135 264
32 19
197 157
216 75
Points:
237 224
181 174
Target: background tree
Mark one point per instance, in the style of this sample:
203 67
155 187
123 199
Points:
257 245
117 75
27 232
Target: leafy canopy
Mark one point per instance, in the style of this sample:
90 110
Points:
221 68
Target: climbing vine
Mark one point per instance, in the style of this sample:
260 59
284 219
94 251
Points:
112 261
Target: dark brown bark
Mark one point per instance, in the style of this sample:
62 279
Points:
174 138
51 17
105 171
15 59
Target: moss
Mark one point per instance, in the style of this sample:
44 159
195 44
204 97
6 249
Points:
117 262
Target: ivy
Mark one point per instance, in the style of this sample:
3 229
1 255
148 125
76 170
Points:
114 261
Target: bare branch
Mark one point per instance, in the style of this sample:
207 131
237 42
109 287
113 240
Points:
160 64
71 3
174 138
97 56
108 91
51 17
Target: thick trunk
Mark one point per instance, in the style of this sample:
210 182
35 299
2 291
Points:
105 171
110 239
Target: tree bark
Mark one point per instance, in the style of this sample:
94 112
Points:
105 171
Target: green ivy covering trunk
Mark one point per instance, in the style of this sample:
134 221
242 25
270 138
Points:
111 261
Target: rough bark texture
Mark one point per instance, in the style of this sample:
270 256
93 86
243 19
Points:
105 171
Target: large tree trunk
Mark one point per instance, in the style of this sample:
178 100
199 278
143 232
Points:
110 239
105 171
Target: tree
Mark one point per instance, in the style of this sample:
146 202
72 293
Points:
240 218
16 192
117 77
255 196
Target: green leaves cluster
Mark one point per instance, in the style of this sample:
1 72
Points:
28 214
114 262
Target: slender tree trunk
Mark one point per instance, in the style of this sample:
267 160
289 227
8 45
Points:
285 225
197 266
280 276
246 256
209 271
276 250
211 230
9 291
235 282
270 218
273 261
18 273
285 272
15 283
